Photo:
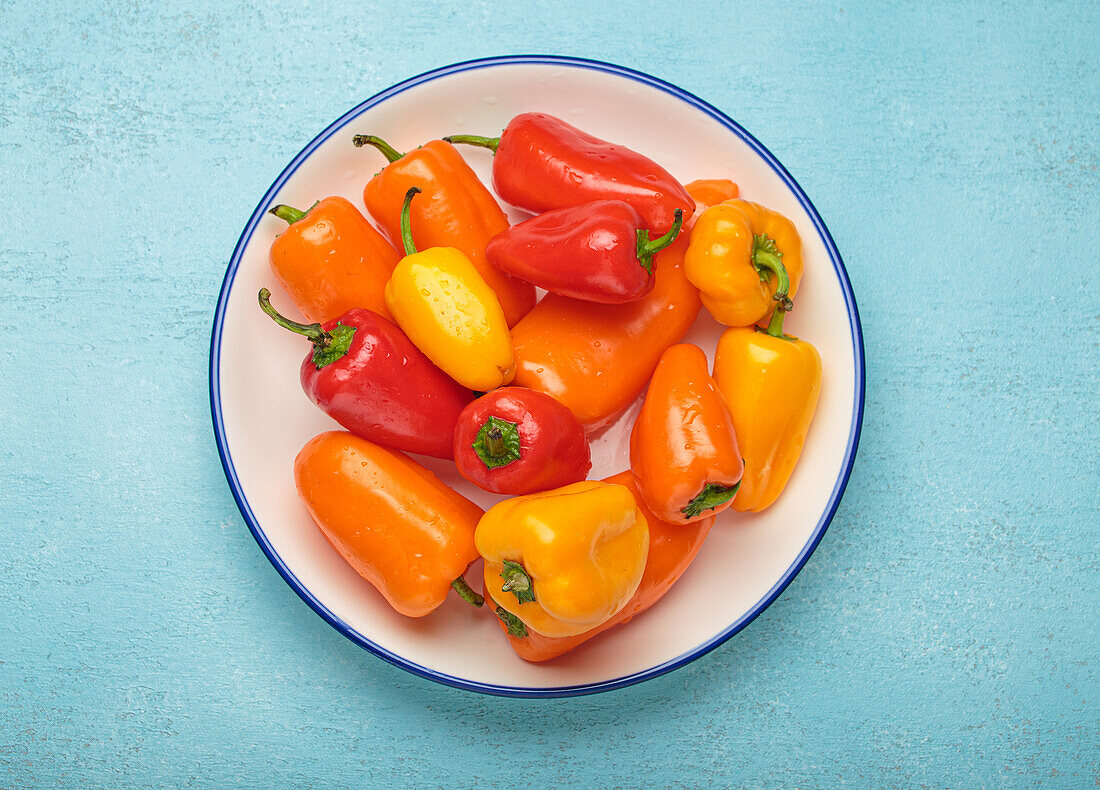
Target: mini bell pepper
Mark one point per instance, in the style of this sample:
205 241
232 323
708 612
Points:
744 259
564 561
365 374
707 192
456 210
597 252
771 382
331 259
683 449
672 547
594 358
397 524
541 163
518 441
440 301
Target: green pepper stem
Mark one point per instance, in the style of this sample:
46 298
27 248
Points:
709 498
515 626
316 335
466 592
517 581
472 139
388 151
288 213
648 248
406 223
494 442
775 325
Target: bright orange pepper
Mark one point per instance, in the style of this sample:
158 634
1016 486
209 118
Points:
672 547
740 256
683 449
709 192
396 523
596 358
771 382
455 210
331 260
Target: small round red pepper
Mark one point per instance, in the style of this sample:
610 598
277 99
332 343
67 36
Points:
542 163
369 377
597 252
517 441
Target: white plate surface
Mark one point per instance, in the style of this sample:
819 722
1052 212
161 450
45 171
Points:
262 418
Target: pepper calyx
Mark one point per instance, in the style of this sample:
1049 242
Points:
709 498
497 443
515 626
517 582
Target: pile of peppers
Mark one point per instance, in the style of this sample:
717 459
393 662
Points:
426 337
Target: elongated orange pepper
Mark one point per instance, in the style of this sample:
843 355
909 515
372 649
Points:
596 358
744 259
455 210
672 547
395 522
683 449
709 192
771 382
331 260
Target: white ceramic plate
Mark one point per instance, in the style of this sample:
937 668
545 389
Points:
262 418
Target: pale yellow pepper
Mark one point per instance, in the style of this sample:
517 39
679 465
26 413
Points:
564 561
449 312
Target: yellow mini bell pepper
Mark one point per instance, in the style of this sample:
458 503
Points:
771 382
563 561
449 312
744 259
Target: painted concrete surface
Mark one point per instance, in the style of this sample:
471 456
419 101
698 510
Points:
943 635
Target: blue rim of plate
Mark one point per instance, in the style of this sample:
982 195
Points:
559 691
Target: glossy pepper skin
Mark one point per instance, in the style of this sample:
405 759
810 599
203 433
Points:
397 524
595 359
596 252
365 374
743 258
330 259
771 382
542 163
707 192
455 210
448 311
564 561
517 441
683 449
672 547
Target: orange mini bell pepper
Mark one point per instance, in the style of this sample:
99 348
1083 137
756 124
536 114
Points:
396 523
566 560
683 449
771 382
596 358
744 259
707 192
456 210
331 260
672 547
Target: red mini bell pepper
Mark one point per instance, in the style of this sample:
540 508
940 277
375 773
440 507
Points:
543 163
517 441
365 374
597 252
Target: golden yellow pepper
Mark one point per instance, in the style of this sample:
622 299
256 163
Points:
744 259
563 561
771 382
448 311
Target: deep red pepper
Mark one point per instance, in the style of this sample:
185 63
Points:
597 252
544 163
517 441
369 377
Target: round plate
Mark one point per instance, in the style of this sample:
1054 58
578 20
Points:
262 418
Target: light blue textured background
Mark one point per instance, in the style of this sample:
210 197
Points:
944 634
